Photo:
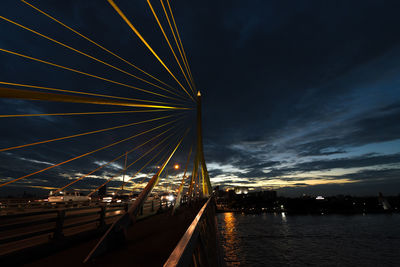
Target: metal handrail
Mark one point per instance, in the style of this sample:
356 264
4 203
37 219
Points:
182 254
58 217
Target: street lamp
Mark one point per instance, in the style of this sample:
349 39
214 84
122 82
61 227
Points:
175 167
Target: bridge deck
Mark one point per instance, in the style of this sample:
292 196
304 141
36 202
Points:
149 243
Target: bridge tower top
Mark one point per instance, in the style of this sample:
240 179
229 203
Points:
200 174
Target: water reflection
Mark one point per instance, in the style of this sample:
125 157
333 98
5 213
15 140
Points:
230 223
290 240
284 219
231 240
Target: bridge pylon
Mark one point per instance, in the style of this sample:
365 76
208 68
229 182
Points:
200 175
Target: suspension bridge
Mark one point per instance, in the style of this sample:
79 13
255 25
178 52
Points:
148 199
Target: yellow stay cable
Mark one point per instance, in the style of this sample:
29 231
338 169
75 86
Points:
104 165
147 45
83 155
147 163
82 134
80 113
87 55
35 95
84 73
180 41
169 44
95 43
141 181
111 178
177 45
81 93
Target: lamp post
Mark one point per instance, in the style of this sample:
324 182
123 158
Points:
175 168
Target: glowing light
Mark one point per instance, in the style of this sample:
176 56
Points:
176 166
107 199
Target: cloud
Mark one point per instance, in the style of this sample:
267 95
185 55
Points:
293 95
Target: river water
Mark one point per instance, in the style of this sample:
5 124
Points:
306 240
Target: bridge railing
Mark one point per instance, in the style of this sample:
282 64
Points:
9 207
28 229
199 246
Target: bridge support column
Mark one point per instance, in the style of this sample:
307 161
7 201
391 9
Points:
199 160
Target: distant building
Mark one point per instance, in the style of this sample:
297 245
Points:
241 190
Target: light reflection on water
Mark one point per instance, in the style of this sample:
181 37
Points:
231 243
288 240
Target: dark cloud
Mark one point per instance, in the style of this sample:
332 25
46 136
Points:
288 87
343 163
386 181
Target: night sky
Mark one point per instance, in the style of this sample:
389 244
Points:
299 96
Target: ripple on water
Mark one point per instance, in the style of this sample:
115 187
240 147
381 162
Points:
334 240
